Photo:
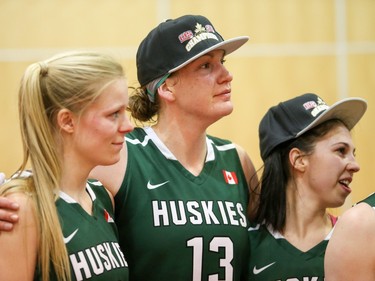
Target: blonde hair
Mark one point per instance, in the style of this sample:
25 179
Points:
73 81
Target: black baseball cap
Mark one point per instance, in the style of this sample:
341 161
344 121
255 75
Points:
176 42
294 117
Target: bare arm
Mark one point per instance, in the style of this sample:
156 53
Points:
350 253
112 176
252 179
18 253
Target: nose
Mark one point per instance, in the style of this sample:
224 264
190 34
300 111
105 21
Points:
225 76
126 125
353 165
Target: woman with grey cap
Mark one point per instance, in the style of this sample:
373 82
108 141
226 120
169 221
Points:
309 163
181 195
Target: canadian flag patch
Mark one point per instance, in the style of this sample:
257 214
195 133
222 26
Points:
230 177
107 216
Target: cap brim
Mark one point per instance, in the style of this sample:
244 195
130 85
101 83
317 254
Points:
228 46
349 111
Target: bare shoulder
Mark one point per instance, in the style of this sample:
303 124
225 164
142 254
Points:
360 217
20 246
246 162
252 180
26 210
350 253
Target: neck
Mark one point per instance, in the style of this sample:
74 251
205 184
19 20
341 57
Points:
187 145
306 225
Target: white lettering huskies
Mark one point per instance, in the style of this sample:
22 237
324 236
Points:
96 260
166 213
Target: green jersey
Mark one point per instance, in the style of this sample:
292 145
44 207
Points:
92 240
370 200
176 226
273 258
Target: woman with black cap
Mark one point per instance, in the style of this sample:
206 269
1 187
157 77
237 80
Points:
309 163
182 196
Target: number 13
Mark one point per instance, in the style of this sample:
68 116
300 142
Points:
216 243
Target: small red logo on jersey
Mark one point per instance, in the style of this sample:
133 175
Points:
107 216
230 177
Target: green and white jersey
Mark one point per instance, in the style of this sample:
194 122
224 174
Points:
273 258
177 226
370 200
92 240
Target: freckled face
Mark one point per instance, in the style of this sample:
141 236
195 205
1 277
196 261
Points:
331 167
103 125
203 88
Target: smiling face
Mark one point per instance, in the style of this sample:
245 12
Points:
100 130
202 89
330 168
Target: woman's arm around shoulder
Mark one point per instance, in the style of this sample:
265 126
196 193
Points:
350 253
112 176
18 254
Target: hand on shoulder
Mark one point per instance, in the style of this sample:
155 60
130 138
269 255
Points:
20 246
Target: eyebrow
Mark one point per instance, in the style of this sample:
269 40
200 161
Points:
346 145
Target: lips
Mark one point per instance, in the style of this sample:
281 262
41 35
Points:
225 94
120 143
345 184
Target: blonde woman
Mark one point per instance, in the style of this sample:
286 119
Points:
72 114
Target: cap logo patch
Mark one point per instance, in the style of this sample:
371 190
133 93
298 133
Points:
316 107
201 33
187 35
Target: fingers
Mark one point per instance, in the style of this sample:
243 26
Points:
7 215
5 226
6 203
7 208
7 219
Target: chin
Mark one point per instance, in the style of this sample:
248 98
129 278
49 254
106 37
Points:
111 161
226 108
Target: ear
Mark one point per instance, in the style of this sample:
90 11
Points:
166 91
297 159
65 120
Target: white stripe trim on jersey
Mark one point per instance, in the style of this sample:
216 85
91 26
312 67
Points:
136 141
225 147
254 228
151 135
70 200
159 144
278 235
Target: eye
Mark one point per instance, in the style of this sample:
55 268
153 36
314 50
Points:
342 150
205 65
223 61
116 114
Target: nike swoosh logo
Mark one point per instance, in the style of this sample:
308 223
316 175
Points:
257 271
70 237
153 186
